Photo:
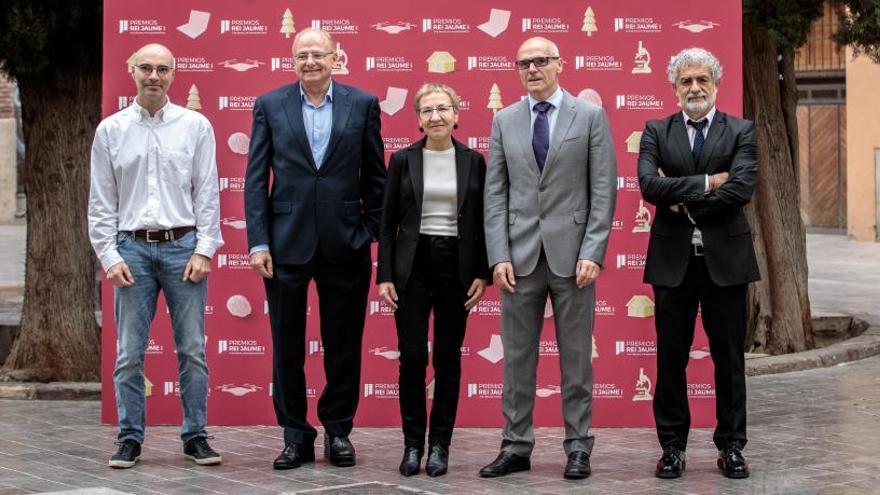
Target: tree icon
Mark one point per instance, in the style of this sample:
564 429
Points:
589 22
287 27
495 99
194 101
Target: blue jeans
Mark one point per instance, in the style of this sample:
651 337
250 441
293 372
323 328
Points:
156 266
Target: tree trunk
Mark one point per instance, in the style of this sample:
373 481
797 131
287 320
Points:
779 306
59 339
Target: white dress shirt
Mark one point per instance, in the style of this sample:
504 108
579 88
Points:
697 238
155 172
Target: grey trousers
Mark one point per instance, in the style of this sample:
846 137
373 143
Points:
522 316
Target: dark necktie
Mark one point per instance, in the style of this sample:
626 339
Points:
541 133
699 140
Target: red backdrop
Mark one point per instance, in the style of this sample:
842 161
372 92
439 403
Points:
230 52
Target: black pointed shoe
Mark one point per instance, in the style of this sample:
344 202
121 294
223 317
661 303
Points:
671 464
578 465
199 451
504 464
339 451
438 460
732 463
411 463
294 455
126 455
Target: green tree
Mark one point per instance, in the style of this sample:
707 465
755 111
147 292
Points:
52 48
779 307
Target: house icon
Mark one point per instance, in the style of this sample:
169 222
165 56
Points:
632 142
441 63
640 306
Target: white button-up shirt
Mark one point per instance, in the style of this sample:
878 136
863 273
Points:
155 172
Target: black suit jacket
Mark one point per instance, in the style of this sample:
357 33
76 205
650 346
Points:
336 206
730 147
402 215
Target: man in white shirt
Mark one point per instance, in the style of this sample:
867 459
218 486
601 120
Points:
154 224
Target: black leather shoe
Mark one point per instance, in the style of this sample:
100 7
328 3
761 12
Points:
411 462
294 455
578 466
339 451
732 463
671 465
504 464
438 461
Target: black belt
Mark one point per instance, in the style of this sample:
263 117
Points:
151 235
698 249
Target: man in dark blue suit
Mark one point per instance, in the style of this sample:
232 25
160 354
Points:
319 141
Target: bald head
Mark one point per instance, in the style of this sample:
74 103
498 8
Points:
311 36
540 43
154 50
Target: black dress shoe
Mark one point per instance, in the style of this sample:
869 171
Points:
671 465
504 464
732 463
294 455
411 462
339 451
438 460
578 466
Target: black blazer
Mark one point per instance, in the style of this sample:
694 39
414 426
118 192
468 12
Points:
727 241
336 206
402 215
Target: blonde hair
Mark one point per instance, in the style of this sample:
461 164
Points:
429 88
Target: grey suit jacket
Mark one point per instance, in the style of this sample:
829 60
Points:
568 208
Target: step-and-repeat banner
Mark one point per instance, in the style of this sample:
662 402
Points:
228 53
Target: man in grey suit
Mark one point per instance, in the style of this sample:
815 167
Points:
549 203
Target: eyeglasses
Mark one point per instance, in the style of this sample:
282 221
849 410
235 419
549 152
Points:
428 112
538 61
317 57
161 71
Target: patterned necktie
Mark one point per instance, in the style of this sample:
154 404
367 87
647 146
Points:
699 139
541 133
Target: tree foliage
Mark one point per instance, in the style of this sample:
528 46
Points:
860 27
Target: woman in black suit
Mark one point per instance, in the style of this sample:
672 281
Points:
432 256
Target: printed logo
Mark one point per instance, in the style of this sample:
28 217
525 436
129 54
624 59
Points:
489 63
495 351
628 183
231 184
638 102
607 391
243 26
445 25
604 308
141 26
388 64
631 261
193 64
234 261
393 144
635 348
636 25
544 25
316 347
239 103
700 391
242 65
335 26
597 63
240 347
485 390
381 390
284 64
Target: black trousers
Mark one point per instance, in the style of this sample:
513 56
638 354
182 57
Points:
342 298
724 318
433 284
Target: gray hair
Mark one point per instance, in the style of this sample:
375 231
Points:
694 56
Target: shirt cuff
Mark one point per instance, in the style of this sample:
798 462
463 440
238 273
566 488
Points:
707 183
110 258
258 248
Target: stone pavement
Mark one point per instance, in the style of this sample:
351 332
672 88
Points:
811 432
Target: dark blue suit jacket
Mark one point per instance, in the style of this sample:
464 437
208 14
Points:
337 206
